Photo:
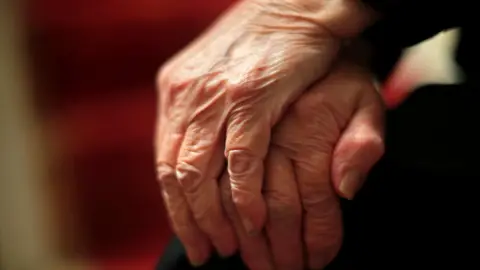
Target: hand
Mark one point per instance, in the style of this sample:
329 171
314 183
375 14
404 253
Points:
324 146
220 98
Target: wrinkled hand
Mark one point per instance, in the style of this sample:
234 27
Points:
325 145
220 98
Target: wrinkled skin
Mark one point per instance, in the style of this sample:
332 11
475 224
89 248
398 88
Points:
324 146
220 97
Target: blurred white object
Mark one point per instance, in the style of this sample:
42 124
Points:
24 220
432 61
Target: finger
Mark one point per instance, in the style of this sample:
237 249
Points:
199 165
322 217
253 248
246 146
360 146
308 134
284 212
195 242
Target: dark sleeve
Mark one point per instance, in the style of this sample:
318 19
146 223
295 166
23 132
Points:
384 5
405 23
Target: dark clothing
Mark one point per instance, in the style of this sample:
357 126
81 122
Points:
417 20
417 208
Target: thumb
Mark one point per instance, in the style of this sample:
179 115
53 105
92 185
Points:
360 146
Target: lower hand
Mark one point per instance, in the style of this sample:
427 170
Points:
324 146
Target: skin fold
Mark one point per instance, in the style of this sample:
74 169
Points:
220 97
326 143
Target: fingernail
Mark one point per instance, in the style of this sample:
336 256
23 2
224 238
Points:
238 162
226 254
187 175
195 264
226 249
197 258
350 183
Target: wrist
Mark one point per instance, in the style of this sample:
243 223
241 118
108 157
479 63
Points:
343 18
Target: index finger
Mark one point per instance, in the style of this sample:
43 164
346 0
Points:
322 224
196 243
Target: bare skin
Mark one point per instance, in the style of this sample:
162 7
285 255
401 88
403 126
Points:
220 98
324 145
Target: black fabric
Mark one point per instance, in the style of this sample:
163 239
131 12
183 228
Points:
175 258
468 53
435 12
384 6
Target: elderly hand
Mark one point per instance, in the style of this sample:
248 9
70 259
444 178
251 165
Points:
221 96
325 145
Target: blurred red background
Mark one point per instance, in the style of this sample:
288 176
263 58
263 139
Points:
94 65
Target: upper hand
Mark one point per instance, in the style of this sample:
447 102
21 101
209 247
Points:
219 98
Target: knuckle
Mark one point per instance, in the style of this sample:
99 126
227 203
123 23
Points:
377 145
241 162
175 86
189 177
171 83
235 90
172 194
163 75
165 172
371 142
369 139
